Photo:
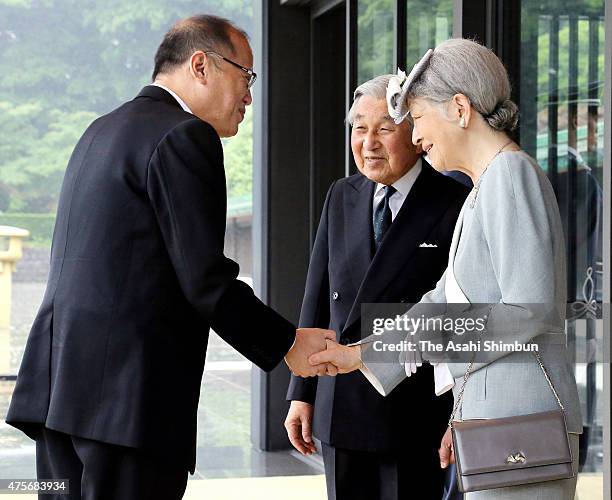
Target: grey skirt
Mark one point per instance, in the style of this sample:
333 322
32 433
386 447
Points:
564 489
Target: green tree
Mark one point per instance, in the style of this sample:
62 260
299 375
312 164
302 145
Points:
238 156
427 23
374 39
65 62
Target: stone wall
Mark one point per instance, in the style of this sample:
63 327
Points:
34 266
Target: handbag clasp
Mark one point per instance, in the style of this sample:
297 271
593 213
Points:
516 458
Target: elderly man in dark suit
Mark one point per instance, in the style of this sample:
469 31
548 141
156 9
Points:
384 236
110 378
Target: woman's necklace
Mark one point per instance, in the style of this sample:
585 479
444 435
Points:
474 192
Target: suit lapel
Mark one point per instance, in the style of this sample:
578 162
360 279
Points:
358 232
415 220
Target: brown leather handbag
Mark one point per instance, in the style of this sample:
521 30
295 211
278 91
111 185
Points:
511 451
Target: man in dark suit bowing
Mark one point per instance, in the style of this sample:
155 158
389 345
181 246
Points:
384 236
110 379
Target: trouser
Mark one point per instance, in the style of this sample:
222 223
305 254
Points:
363 475
102 471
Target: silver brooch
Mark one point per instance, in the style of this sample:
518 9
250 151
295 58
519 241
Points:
517 458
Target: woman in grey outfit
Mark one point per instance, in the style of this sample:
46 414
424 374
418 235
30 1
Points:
508 250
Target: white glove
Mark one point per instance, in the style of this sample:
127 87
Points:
443 378
411 359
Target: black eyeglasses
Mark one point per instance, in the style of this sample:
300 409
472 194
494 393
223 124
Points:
252 75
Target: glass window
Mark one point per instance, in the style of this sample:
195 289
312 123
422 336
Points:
427 24
375 25
561 89
62 64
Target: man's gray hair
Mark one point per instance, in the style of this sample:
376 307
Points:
375 88
461 66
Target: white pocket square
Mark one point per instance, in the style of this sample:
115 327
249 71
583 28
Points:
428 245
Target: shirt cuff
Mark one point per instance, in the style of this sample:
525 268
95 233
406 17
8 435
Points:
443 378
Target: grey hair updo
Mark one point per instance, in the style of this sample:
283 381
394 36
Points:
461 66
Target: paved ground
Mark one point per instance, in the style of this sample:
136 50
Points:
302 488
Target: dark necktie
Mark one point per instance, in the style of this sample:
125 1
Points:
382 216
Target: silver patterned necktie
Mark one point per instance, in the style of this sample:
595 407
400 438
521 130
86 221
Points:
382 216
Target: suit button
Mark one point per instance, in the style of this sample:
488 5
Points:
336 296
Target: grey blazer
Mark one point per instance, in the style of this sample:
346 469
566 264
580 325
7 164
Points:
510 255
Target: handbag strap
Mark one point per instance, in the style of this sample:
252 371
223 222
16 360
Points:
469 371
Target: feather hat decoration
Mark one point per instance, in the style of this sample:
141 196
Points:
400 84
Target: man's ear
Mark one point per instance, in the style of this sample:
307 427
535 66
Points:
461 108
199 65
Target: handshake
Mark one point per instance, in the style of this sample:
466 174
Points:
316 352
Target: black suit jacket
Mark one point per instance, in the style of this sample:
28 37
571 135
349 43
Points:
138 276
343 274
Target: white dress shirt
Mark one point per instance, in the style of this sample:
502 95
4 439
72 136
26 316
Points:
443 378
173 94
402 187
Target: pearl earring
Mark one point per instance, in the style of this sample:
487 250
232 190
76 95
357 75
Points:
462 122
